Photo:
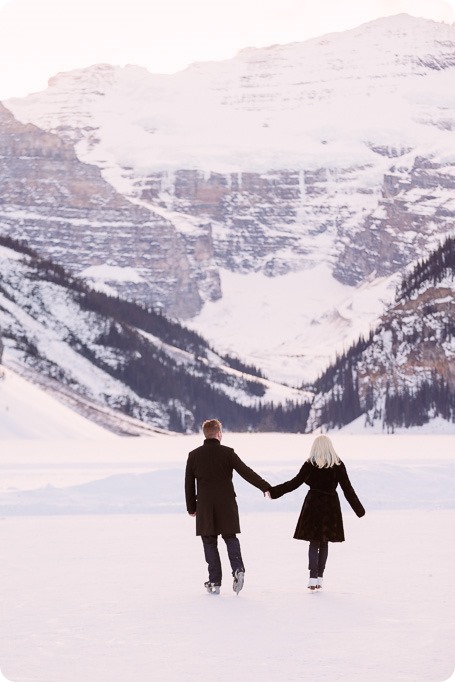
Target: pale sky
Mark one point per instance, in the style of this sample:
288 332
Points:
39 38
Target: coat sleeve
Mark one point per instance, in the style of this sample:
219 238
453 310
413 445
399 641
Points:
292 484
190 488
349 491
248 474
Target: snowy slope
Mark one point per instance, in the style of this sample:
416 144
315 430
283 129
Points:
292 326
28 412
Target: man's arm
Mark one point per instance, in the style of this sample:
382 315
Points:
248 474
190 489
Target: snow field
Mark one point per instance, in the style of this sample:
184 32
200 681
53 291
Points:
93 591
121 598
326 310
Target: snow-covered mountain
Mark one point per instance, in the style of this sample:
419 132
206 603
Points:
99 354
303 177
65 209
403 374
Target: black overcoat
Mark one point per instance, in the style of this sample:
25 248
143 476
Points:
209 490
321 518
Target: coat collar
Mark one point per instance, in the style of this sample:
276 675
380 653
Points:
211 441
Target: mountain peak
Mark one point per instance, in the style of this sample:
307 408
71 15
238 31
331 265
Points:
393 26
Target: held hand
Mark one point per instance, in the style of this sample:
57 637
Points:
267 494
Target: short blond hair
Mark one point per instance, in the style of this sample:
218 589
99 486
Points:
211 428
323 453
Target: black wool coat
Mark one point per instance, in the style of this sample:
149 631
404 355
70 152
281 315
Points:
209 490
321 518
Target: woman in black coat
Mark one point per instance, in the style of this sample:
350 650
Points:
320 520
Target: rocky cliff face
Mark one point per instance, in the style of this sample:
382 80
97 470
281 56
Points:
258 219
415 210
65 209
291 153
285 220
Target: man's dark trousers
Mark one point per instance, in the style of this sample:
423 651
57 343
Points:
212 556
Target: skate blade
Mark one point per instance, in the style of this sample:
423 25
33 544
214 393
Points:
238 584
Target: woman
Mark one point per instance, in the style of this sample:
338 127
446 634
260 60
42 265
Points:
320 520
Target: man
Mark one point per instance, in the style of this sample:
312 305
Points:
214 504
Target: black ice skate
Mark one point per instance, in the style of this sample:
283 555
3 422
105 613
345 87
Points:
212 588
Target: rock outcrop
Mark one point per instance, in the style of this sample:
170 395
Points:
66 210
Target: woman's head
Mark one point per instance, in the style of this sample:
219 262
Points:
323 453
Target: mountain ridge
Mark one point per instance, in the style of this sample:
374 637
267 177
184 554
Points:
292 159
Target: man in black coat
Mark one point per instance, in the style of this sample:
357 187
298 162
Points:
213 503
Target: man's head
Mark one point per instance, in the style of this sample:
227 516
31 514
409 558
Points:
212 428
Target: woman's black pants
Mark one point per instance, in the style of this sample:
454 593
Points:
317 557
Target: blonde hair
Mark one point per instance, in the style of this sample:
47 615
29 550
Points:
211 428
323 453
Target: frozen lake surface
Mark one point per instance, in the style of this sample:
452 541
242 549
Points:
101 574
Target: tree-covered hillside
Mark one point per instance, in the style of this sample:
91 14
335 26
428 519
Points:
403 374
125 355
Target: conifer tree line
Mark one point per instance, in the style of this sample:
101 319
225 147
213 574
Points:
189 396
114 307
433 269
414 408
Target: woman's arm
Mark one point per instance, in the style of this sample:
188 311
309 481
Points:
349 491
293 484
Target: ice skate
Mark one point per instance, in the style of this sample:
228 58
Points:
212 588
239 577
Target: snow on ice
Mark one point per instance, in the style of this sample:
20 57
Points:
102 575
